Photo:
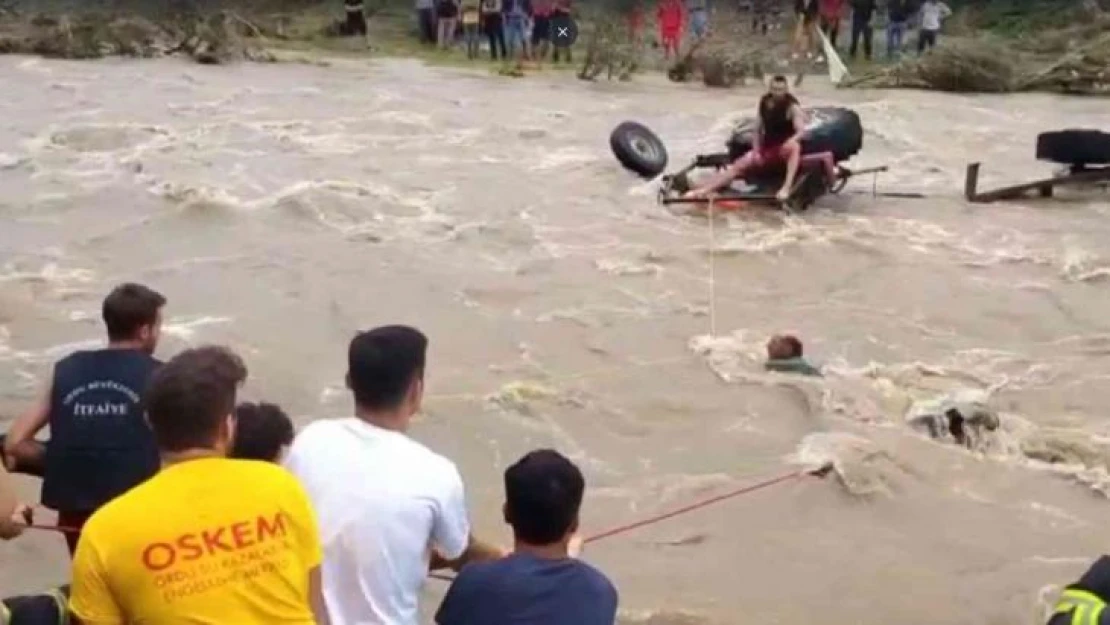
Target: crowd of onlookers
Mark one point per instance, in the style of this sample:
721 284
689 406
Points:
520 30
181 504
524 30
900 17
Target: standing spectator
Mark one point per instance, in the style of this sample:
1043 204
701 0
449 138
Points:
863 12
898 15
761 16
517 13
541 28
933 13
448 13
262 432
426 21
635 20
832 11
471 22
386 503
495 28
561 11
208 539
698 12
542 582
356 18
669 15
100 446
805 21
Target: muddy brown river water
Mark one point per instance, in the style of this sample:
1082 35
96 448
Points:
281 207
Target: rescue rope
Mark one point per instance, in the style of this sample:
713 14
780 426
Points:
697 505
712 272
62 529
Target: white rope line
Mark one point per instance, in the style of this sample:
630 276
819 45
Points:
543 378
712 272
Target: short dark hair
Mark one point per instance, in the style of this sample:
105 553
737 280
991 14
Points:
128 308
793 344
261 430
190 395
383 363
543 493
779 78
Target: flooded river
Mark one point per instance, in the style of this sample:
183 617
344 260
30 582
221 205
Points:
282 207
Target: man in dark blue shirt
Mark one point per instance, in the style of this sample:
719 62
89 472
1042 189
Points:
541 582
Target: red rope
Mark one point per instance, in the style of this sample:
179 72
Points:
621 529
51 528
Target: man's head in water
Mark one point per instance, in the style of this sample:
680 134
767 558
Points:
385 372
778 88
784 347
133 315
543 493
262 432
190 402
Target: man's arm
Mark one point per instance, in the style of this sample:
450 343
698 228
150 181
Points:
798 116
476 551
316 597
10 526
757 136
19 442
945 11
453 543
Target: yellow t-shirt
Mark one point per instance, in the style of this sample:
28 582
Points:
212 541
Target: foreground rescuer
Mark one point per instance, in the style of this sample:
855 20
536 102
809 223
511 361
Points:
99 446
389 507
208 540
1084 602
542 582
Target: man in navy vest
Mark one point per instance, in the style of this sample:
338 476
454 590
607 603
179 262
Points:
100 444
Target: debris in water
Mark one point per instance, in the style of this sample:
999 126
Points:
863 468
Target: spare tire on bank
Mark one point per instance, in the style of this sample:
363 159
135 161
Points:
638 149
828 129
1075 147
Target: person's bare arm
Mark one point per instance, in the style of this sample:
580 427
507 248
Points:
757 136
10 523
798 116
476 551
316 597
19 442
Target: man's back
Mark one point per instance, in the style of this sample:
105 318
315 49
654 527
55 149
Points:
383 500
205 541
100 445
523 589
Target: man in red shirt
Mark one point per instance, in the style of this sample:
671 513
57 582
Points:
670 15
831 13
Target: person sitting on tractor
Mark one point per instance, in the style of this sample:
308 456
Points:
776 140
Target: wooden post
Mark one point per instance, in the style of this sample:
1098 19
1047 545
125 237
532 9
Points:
971 182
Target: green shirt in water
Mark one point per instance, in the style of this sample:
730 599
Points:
791 365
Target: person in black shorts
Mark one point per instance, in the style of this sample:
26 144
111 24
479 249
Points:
805 16
541 28
448 13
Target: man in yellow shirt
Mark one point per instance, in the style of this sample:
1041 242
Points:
208 539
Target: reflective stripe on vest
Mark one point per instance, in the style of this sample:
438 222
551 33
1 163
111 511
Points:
1086 607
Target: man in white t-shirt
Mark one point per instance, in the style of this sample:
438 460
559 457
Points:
387 506
933 12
